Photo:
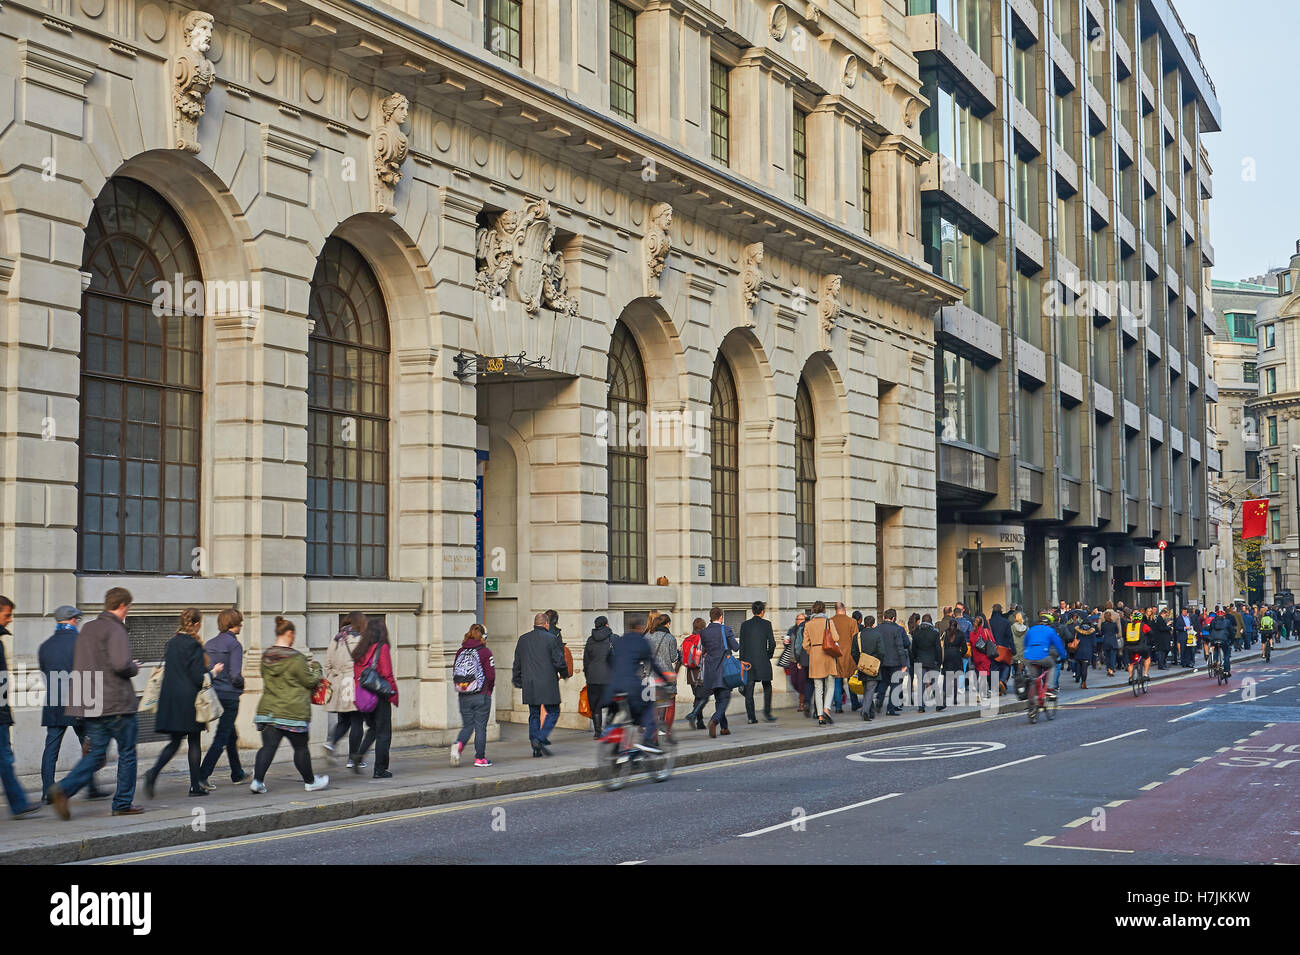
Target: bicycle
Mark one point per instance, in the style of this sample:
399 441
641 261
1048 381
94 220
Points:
1268 649
617 755
1138 679
1040 699
1215 669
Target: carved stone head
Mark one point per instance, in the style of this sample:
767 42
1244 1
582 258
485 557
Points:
662 215
197 31
395 109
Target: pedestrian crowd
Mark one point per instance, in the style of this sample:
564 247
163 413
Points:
830 658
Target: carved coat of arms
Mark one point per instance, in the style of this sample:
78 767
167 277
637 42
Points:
515 259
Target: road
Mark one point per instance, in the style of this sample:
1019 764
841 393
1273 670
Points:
1189 774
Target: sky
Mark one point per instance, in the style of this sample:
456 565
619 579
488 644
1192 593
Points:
1249 49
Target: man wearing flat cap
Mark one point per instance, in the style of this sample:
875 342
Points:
55 658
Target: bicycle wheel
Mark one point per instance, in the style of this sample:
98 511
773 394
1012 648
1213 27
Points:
1135 682
661 767
1049 706
1146 683
613 767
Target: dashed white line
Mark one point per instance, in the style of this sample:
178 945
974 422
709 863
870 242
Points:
816 815
1153 785
1179 772
989 769
1203 709
1109 738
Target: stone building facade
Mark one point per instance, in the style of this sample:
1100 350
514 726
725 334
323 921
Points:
257 262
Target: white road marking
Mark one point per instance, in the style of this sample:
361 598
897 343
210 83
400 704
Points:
989 769
1153 785
1109 738
1179 772
1203 709
1042 843
1081 821
633 862
1284 689
816 815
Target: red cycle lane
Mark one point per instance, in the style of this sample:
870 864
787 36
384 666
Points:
1240 805
1198 688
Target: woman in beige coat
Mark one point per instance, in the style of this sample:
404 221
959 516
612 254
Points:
822 666
343 701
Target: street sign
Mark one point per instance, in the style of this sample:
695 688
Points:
1150 555
1151 572
1220 563
489 585
1163 544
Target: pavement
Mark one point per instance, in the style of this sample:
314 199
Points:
424 783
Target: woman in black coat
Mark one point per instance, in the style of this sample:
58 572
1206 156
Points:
184 666
1110 640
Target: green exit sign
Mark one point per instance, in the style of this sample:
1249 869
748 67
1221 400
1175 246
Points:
489 585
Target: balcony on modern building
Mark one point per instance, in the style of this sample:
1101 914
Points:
968 477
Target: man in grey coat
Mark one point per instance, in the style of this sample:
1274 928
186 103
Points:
539 661
895 659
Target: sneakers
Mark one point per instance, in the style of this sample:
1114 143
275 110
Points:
482 762
320 782
455 753
33 808
647 748
356 765
257 786
329 747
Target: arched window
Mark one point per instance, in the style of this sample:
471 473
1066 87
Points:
805 488
141 387
724 466
627 460
347 418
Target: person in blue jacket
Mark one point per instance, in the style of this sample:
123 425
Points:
1040 640
627 661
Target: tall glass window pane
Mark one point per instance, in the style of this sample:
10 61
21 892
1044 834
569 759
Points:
725 472
627 460
622 60
503 29
720 111
141 384
805 488
866 189
347 418
800 167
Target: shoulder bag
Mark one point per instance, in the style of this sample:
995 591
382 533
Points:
733 674
372 681
152 690
207 708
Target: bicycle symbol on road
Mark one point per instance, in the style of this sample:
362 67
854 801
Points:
898 754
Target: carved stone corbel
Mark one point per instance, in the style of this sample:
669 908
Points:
192 78
657 244
828 305
751 264
515 259
389 147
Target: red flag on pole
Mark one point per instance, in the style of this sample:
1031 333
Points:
1254 517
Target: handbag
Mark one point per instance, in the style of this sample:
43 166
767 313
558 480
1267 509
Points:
855 684
568 664
869 665
324 690
733 674
372 682
584 704
786 659
207 708
1006 654
152 690
829 646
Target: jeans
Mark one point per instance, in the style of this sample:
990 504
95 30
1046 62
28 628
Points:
50 758
124 731
18 801
539 730
379 731
474 709
749 698
1083 671
885 687
1004 673
822 694
271 736
168 751
353 724
1227 657
1188 657
224 738
842 690
721 697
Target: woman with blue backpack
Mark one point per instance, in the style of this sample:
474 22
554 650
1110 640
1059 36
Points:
474 674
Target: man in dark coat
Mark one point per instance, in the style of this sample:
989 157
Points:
539 661
867 641
19 804
927 654
55 658
895 658
716 641
757 644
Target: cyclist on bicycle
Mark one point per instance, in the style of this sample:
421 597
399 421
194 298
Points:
1222 630
1043 648
631 657
1267 630
1137 644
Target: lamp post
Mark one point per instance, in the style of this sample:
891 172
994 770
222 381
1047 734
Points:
979 574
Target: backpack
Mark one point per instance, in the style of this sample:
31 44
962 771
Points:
1266 623
1133 632
467 671
692 651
